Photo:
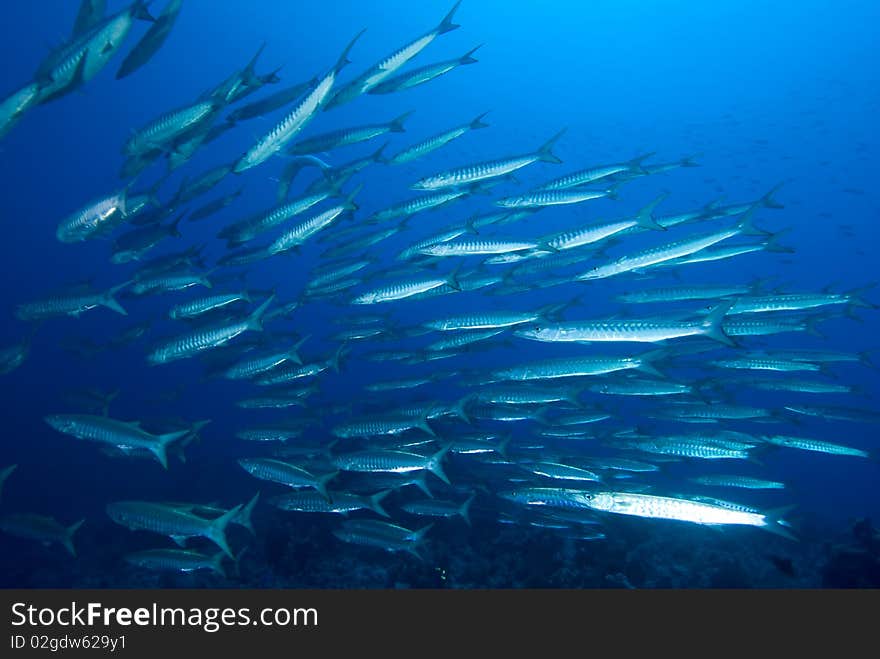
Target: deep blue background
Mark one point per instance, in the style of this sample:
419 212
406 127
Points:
763 93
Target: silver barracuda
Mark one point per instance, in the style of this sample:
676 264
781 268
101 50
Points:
174 523
422 149
194 343
289 127
388 66
493 169
122 434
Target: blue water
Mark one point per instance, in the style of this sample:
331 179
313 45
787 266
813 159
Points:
758 94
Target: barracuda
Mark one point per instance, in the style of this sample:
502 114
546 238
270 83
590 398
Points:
348 136
382 535
685 293
543 199
252 367
404 290
174 523
815 445
162 132
423 74
204 305
463 339
95 220
659 254
399 462
471 174
381 425
703 448
638 331
122 434
586 176
419 204
599 232
175 281
177 560
40 528
209 338
297 235
559 471
489 319
287 474
712 413
580 366
249 229
761 363
14 106
431 144
72 304
340 503
436 508
684 510
796 302
80 60
743 482
640 387
387 67
475 247
275 141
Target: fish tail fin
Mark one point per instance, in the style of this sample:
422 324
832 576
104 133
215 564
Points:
377 154
422 424
747 228
712 323
777 525
244 518
174 227
349 200
464 510
468 57
140 10
343 58
647 360
106 400
375 503
255 320
501 449
856 299
460 408
635 165
293 353
68 537
545 153
160 449
768 201
478 122
216 532
109 300
811 326
773 245
217 564
864 358
435 464
422 483
396 125
418 537
645 217
321 485
688 161
446 25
